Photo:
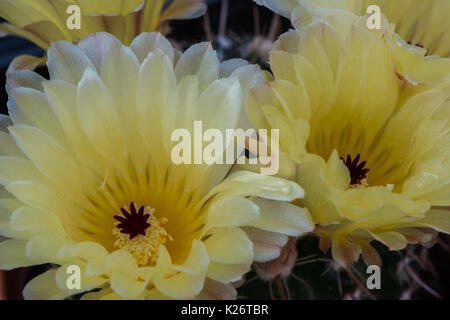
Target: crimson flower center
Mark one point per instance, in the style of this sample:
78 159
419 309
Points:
358 171
134 222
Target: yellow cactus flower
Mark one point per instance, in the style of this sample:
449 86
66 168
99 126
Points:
421 23
45 21
374 161
89 179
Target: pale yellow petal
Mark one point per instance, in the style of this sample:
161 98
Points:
44 287
218 243
67 62
200 60
266 245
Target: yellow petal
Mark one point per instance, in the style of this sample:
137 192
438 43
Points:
28 106
213 290
249 183
148 42
227 273
36 221
344 252
127 287
218 243
44 248
282 218
266 245
201 60
12 254
25 62
13 169
120 262
184 9
67 62
181 285
92 253
231 212
197 260
44 287
94 102
437 219
96 46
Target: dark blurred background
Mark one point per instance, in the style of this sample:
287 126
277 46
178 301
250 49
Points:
240 29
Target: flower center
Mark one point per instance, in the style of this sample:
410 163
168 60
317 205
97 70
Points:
358 171
139 237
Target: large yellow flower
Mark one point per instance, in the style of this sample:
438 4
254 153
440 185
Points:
45 21
374 161
90 182
423 23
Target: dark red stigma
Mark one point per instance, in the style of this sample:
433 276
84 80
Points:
133 222
358 172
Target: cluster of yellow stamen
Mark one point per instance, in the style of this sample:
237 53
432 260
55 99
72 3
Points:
144 248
